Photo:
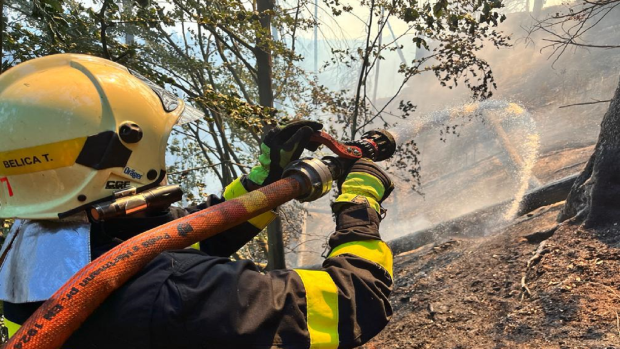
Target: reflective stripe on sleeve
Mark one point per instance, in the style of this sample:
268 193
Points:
236 189
373 250
11 326
322 308
362 184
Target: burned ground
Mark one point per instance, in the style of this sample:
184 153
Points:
468 293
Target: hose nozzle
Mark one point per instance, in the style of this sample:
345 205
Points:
382 143
377 145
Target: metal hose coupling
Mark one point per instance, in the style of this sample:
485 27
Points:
313 174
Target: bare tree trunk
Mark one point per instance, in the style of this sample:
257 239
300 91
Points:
538 5
263 54
265 96
275 241
129 38
594 198
363 75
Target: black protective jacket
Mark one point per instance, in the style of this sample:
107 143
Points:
201 299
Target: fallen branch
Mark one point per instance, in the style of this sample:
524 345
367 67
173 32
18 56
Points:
596 101
548 194
524 288
540 251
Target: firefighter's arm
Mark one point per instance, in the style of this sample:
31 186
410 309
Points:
280 146
231 305
231 240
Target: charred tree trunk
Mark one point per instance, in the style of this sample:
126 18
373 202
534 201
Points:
594 199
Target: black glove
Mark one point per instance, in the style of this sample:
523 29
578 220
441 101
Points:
281 146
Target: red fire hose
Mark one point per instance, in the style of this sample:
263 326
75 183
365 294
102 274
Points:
54 322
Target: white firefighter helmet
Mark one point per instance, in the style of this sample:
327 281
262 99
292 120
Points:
75 130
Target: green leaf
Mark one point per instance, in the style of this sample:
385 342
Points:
419 42
55 5
440 7
411 15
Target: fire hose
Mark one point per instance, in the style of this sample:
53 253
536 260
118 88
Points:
306 180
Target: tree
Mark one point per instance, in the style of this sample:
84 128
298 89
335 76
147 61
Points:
448 33
458 29
569 28
593 198
1 31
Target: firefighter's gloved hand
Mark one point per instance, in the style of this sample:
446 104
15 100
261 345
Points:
366 182
280 146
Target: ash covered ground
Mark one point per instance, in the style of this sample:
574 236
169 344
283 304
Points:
481 293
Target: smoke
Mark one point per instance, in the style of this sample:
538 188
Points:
465 166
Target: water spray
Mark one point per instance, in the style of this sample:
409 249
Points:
522 154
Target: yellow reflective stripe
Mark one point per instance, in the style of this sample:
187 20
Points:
196 246
11 326
263 220
236 189
373 250
322 308
362 184
41 158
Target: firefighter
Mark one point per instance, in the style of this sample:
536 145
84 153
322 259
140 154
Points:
80 128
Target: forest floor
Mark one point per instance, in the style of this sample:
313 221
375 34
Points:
531 284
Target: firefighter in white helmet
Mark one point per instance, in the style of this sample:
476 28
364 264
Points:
80 130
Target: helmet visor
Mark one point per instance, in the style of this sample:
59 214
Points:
170 102
189 114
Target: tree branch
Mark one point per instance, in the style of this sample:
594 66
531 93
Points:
585 103
234 74
362 72
104 27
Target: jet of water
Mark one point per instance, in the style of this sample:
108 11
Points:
503 115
